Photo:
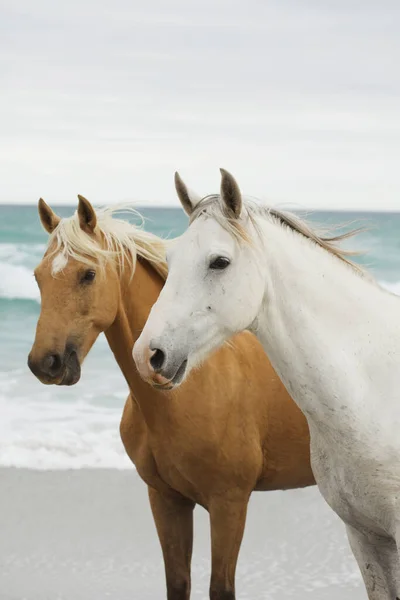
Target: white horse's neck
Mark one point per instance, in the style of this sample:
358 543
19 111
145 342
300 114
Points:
326 330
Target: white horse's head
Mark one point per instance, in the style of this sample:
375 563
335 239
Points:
214 289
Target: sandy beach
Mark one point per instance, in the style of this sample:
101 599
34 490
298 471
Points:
89 535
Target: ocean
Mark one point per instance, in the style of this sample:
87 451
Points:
49 427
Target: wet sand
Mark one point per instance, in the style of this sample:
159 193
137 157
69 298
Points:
89 535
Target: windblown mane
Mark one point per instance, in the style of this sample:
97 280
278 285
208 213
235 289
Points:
213 207
122 241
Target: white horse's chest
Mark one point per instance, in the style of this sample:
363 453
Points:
363 490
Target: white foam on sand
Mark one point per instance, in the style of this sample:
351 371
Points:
45 435
49 427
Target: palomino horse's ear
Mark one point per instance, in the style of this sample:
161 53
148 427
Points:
48 218
230 194
86 214
188 198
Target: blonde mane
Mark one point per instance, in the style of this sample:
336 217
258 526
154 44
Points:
122 242
213 207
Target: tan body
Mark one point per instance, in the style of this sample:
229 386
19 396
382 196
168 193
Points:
231 428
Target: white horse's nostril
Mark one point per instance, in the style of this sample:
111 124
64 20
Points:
157 359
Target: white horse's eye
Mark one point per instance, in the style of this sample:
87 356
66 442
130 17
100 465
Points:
220 263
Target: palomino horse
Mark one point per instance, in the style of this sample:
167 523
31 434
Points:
331 333
232 428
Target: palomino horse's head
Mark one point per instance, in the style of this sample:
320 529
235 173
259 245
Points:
214 288
79 294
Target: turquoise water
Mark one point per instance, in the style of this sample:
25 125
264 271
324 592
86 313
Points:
50 427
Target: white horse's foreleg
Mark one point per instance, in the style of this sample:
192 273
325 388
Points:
378 560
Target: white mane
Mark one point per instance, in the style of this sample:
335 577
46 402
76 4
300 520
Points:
213 207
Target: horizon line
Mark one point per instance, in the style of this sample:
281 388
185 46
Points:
172 207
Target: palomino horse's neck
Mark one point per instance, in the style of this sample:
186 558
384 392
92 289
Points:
137 295
314 322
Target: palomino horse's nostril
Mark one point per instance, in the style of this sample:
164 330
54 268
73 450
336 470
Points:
157 360
52 364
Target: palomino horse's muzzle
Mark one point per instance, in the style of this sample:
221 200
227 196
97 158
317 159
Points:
56 368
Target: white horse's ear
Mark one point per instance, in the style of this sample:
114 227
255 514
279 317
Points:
230 194
87 215
48 217
188 198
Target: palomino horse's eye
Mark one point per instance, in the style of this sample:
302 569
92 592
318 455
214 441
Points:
220 263
88 277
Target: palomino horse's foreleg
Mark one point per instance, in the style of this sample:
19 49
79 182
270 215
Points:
379 564
173 516
227 518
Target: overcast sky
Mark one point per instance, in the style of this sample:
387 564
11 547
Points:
299 99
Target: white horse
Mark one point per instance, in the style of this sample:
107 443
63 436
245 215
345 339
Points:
331 333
